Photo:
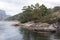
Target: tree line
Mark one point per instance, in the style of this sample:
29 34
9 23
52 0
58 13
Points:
38 13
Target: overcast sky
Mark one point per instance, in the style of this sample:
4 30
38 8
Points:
13 7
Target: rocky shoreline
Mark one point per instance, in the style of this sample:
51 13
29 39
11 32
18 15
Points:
41 27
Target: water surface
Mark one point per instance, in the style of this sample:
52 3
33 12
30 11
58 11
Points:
9 32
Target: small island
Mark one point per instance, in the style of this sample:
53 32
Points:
39 18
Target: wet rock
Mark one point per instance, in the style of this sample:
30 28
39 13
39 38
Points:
16 25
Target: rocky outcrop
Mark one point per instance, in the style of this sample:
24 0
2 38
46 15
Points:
40 26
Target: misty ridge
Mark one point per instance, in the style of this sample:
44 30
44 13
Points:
3 15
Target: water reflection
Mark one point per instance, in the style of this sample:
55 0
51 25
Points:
57 35
8 32
29 35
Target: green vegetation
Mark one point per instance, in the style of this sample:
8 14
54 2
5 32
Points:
38 13
57 8
35 13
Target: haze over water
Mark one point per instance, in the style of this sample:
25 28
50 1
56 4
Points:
9 32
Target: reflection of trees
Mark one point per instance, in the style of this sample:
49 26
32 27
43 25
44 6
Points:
28 35
57 35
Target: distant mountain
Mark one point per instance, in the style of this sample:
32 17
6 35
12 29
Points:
15 17
3 15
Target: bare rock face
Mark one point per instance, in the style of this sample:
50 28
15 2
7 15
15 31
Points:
41 26
47 26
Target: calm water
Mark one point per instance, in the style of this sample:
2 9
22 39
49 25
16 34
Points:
9 32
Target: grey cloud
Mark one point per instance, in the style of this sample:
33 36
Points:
18 4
